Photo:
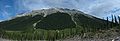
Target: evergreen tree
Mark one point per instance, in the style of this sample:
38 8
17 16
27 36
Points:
115 19
119 19
112 18
107 23
111 25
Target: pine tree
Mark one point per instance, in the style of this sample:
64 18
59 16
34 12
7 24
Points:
119 19
111 25
107 23
112 18
115 20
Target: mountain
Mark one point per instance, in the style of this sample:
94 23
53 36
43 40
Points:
54 19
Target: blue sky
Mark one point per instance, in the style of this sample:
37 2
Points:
98 8
9 9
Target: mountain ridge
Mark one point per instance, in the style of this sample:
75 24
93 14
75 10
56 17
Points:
53 10
31 19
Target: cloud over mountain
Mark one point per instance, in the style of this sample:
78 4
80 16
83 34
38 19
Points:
98 8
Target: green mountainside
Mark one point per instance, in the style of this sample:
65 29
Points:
56 20
53 23
20 23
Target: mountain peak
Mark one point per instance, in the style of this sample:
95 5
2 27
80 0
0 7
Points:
45 12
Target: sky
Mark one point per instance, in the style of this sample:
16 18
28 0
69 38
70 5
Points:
97 8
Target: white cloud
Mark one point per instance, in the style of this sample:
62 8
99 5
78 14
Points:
7 6
5 14
119 15
103 8
99 8
1 20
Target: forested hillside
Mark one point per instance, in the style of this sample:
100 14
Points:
52 24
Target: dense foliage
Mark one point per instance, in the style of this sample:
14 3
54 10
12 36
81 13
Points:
20 23
57 20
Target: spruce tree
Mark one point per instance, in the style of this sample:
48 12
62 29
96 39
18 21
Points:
119 19
115 20
107 23
112 18
112 21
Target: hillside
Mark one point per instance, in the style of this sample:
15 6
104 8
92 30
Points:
20 23
53 19
56 20
51 24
